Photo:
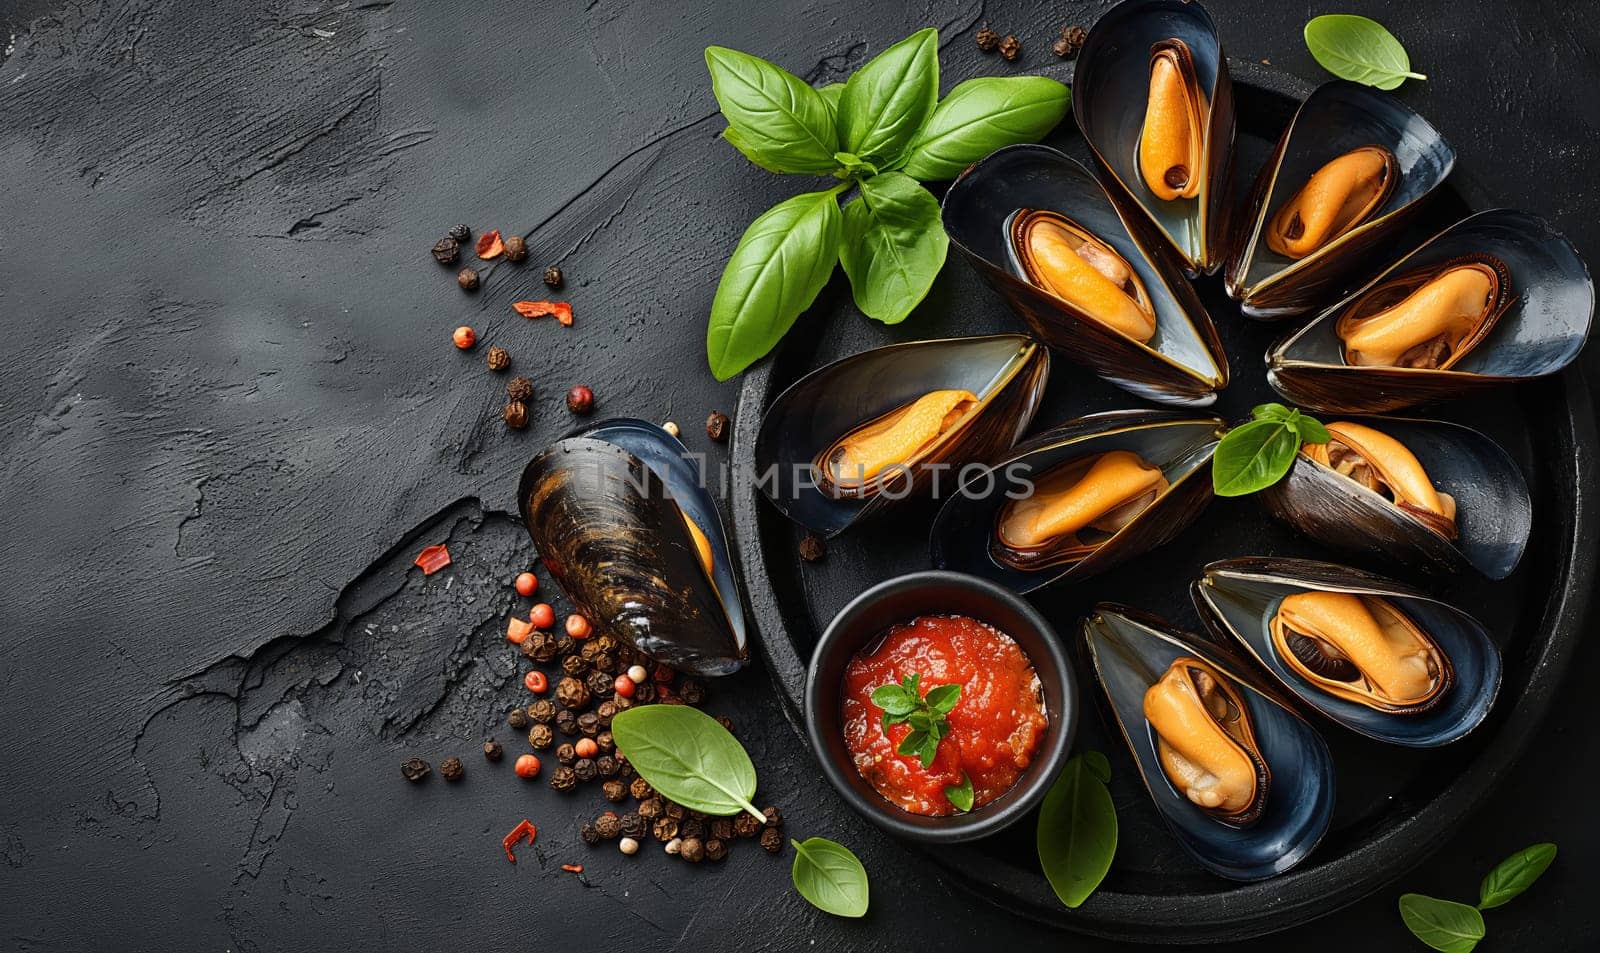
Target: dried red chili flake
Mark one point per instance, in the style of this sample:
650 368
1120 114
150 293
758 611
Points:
572 868
527 829
490 245
518 630
433 559
539 309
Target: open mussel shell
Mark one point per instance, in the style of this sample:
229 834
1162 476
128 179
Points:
1545 321
1182 362
1337 119
1493 510
1114 103
1007 374
964 534
1238 598
608 509
1131 651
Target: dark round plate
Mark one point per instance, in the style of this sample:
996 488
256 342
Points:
1394 805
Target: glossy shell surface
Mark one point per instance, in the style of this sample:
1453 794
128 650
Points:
605 509
1539 333
1237 598
1130 650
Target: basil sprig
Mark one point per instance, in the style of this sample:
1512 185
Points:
903 703
1077 834
1359 49
691 759
1451 927
882 132
1255 455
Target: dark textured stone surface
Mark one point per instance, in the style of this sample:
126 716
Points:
231 414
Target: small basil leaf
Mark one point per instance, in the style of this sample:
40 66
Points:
830 877
893 699
981 115
912 743
777 270
930 751
942 698
777 115
912 682
830 95
1445 925
1359 49
687 756
921 720
894 246
1270 412
854 165
1077 834
1311 430
889 99
960 795
1252 457
1515 874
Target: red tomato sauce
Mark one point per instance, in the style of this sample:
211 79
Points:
995 728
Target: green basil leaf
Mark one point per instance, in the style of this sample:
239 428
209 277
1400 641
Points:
780 265
1098 764
1359 49
1445 925
829 877
942 698
1311 430
1515 874
981 115
1252 457
911 744
889 99
830 94
1077 835
688 757
853 166
929 752
1271 412
763 154
921 719
912 682
960 795
777 115
893 246
893 699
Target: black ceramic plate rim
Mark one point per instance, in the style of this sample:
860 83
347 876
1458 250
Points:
1287 900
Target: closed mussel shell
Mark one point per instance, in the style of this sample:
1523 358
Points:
1493 512
1545 321
608 509
1115 100
1337 120
1007 374
1239 598
1181 361
1131 652
965 533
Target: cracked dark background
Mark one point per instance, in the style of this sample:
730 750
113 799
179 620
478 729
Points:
231 415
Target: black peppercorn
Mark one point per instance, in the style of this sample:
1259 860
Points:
516 248
516 415
644 693
518 719
519 389
573 694
585 769
717 426
539 646
552 276
746 826
567 722
563 779
664 829
693 691
605 663
675 811
589 649
774 817
574 665
565 645
725 722
623 704
446 251
693 849
499 359
615 791
721 828
1010 48
542 711
461 233
632 824
451 769
772 840
988 40
580 400
607 766
605 741
589 724
414 769
641 789
812 548
692 827
716 850
599 684
624 769
467 279
650 808
566 753
609 826
604 712
541 737
588 834
1071 42
493 750
605 642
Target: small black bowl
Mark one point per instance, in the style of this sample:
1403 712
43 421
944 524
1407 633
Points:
939 593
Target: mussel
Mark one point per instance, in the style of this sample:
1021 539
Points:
1429 494
1044 234
1348 173
1242 781
1078 499
1379 658
1161 63
620 517
1496 297
876 427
